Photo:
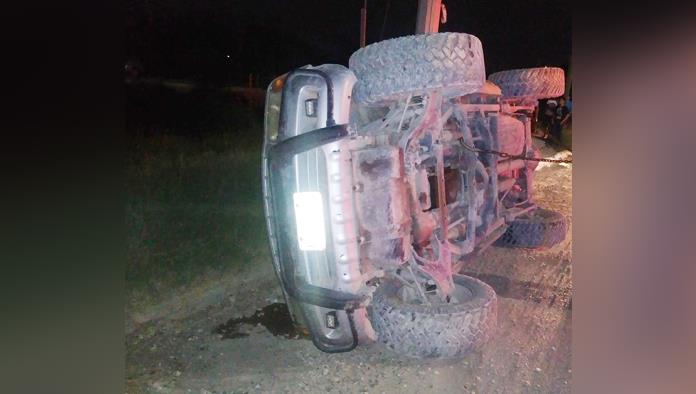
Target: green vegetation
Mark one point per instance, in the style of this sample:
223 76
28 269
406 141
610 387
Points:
193 190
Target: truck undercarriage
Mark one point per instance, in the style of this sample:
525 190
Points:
374 206
444 199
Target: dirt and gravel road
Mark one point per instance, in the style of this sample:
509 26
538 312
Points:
531 352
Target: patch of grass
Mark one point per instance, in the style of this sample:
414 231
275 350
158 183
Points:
193 199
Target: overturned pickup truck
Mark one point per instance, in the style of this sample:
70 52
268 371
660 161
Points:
382 179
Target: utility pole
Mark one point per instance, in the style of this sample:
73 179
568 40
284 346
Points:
428 19
569 77
363 24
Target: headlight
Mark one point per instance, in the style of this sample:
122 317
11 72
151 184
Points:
273 101
309 217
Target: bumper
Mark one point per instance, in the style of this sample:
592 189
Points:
315 302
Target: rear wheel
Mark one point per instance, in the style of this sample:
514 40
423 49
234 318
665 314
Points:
538 229
439 330
537 83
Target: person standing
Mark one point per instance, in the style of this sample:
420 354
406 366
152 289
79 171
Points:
560 118
547 117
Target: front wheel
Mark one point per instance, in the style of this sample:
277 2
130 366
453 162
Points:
436 330
390 70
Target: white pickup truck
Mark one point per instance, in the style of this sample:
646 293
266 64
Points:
383 179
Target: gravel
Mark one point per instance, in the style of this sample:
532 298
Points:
532 354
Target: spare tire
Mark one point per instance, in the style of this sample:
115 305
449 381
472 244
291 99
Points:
388 69
540 228
435 331
537 83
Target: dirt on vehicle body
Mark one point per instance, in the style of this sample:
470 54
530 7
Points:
382 180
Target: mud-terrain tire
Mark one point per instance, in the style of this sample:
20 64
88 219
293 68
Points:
388 70
434 331
541 228
538 83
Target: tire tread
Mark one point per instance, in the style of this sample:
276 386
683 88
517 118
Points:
536 231
389 69
450 331
537 83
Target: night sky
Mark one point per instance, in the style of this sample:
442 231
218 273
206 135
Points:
191 39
